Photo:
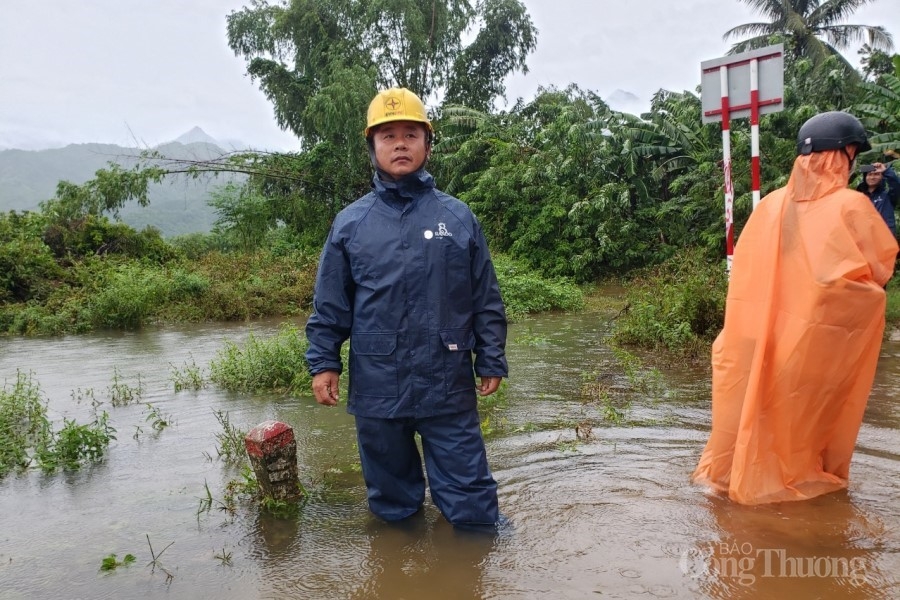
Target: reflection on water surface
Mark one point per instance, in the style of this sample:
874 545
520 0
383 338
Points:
613 515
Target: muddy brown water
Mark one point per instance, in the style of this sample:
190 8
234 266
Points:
613 516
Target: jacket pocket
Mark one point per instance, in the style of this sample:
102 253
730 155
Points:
373 365
457 353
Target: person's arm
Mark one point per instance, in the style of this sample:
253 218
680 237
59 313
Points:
489 318
875 242
329 325
892 183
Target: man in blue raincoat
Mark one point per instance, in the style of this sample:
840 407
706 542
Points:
406 275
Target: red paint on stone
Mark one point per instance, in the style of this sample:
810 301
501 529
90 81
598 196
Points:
268 437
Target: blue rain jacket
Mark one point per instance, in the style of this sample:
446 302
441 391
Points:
406 275
885 196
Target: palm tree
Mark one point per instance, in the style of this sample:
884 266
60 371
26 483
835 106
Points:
811 28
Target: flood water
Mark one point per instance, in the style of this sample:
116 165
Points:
612 515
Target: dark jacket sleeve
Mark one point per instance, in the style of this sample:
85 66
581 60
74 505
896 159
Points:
892 183
329 325
489 322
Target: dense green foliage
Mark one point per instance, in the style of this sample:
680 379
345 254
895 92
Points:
525 292
568 191
90 273
880 111
320 61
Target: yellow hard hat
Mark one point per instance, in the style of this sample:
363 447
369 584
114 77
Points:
396 104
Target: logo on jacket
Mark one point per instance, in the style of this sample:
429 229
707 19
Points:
441 232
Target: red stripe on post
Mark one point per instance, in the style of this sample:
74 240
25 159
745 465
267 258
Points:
737 107
738 63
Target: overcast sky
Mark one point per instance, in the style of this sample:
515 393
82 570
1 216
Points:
142 72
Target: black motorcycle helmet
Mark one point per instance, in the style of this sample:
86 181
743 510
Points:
832 130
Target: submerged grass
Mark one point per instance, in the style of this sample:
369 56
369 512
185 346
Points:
23 423
188 377
230 441
27 436
123 394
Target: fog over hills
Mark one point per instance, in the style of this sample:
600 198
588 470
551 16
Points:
625 101
197 135
177 206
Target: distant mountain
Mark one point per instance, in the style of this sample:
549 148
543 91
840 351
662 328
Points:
197 135
177 206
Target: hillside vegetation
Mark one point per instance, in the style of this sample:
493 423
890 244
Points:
178 205
569 192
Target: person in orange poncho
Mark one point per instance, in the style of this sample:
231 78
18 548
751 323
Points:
793 366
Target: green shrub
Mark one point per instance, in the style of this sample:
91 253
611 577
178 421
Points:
28 269
678 306
186 285
96 235
26 432
284 241
525 291
275 363
245 286
23 422
75 445
128 298
195 245
32 319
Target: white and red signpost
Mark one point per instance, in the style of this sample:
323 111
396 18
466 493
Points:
739 86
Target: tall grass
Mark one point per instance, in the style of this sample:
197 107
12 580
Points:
678 306
525 291
274 363
189 377
128 297
230 441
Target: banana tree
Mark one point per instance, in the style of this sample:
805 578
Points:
880 112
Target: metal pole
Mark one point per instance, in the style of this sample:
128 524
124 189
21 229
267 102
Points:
754 130
726 165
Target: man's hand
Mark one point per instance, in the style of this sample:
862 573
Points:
879 167
488 385
325 387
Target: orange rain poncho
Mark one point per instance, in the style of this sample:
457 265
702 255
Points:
793 366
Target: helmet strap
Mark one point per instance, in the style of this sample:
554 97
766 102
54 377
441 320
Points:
851 160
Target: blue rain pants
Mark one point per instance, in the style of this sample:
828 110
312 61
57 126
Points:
460 481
